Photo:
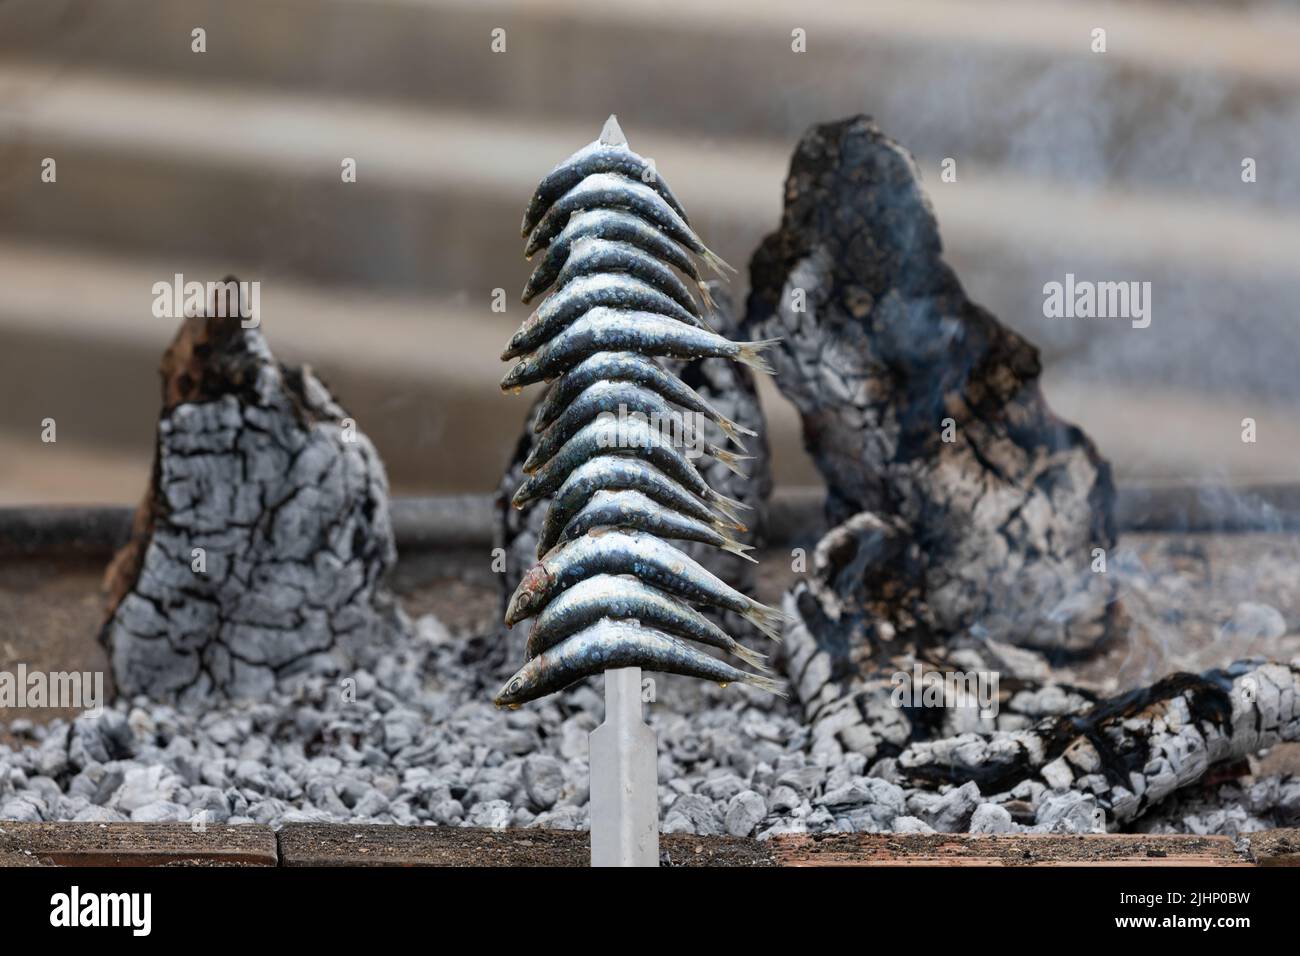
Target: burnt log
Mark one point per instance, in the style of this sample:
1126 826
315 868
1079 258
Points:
1131 751
919 407
259 549
1031 743
854 672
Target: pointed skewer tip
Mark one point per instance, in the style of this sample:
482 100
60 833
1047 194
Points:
612 134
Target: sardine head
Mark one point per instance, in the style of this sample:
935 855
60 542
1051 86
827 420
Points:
524 493
531 463
530 595
513 377
518 689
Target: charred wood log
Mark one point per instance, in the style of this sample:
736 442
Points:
884 702
1131 751
921 716
259 549
861 626
920 408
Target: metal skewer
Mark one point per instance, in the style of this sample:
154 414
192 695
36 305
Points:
624 778
624 766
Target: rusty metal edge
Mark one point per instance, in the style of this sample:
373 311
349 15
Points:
794 515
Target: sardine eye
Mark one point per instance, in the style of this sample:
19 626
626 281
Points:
515 685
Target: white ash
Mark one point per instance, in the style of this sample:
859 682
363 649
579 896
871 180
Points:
422 744
258 552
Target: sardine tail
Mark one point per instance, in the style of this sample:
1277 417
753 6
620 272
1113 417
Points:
753 658
730 459
769 620
734 431
769 684
726 524
717 263
750 355
739 550
707 296
728 506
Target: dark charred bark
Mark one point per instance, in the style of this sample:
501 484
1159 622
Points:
1040 741
923 410
1131 751
259 549
966 520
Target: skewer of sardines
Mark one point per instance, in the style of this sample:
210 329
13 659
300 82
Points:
615 435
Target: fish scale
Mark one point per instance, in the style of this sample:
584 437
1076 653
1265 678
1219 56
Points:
609 590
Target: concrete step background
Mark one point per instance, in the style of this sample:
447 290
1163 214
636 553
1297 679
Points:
1114 167
1005 82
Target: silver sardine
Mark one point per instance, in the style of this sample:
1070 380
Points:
618 398
624 597
601 256
616 225
585 293
631 437
610 644
595 157
612 330
630 367
605 191
633 511
650 559
615 473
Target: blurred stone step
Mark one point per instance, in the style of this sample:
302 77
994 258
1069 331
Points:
82 346
142 169
420 375
1009 83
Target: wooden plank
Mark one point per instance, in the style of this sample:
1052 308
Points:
944 849
330 844
340 844
1275 847
135 844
